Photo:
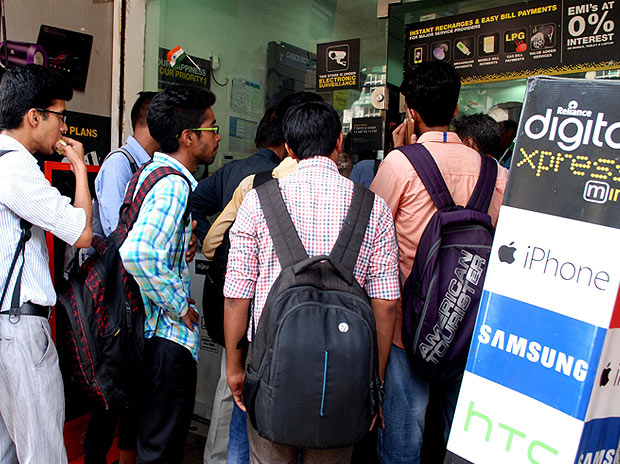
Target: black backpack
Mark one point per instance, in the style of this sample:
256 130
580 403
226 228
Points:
313 376
105 310
442 293
213 290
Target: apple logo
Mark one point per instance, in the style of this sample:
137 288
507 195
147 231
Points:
507 253
605 375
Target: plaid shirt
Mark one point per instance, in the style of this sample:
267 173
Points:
318 200
154 251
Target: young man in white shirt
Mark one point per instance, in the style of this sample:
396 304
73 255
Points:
32 406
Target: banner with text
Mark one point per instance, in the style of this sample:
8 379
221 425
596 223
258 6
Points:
338 65
520 40
546 337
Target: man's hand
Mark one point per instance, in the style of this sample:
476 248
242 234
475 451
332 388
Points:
73 151
191 318
400 134
193 245
235 380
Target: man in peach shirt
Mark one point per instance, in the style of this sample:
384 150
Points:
431 93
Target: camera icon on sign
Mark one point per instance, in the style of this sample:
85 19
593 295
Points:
338 58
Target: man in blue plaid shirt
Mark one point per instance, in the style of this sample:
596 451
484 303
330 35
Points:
180 119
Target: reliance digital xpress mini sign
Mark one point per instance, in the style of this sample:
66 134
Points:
542 379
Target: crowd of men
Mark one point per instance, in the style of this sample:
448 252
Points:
299 142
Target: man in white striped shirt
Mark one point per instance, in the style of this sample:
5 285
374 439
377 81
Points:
32 119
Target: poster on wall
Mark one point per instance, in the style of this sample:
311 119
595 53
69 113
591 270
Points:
338 65
520 40
184 74
367 134
93 132
68 53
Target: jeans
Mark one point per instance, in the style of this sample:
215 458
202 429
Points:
404 410
238 446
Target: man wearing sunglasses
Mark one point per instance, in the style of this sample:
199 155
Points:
180 119
32 404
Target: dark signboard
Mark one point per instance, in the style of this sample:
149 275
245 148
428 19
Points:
566 160
184 74
366 134
92 131
338 65
290 69
519 40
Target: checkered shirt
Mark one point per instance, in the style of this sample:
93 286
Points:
155 249
317 198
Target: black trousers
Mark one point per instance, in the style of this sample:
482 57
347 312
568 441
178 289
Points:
169 390
100 433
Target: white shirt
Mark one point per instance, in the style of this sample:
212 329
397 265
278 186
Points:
26 193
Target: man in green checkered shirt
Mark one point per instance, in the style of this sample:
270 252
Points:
180 119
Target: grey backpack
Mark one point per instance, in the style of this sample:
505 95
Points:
313 377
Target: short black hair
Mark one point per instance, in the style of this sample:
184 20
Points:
432 89
26 87
175 109
138 111
483 129
312 129
269 132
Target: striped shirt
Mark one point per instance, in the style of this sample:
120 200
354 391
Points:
317 198
154 251
26 193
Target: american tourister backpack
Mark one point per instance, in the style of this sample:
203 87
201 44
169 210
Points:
105 310
313 376
442 293
213 290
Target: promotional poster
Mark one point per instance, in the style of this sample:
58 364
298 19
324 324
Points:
543 374
520 40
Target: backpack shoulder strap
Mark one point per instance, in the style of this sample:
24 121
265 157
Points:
424 164
286 241
347 246
132 204
261 177
132 162
483 192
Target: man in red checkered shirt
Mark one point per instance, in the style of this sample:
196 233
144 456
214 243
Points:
317 198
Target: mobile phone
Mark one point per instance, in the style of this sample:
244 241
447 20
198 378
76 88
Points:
410 127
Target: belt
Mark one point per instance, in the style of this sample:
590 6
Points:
31 309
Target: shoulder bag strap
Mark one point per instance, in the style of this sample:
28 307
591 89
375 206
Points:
424 164
286 241
347 246
25 235
483 192
132 162
261 177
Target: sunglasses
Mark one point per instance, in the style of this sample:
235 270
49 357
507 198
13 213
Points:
214 129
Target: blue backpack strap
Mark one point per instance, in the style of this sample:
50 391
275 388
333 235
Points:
480 199
286 241
424 164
